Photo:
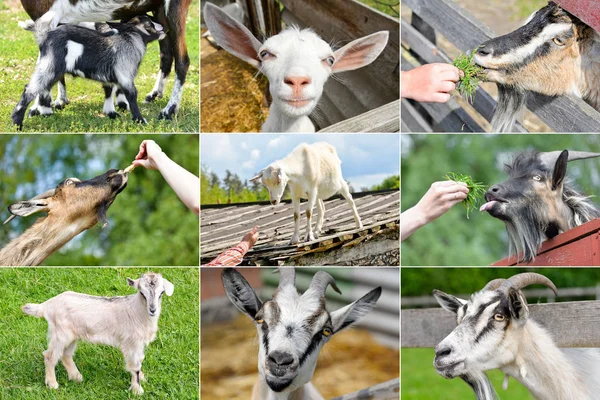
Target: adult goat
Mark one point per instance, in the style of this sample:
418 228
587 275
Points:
494 331
537 202
73 207
554 53
292 329
171 14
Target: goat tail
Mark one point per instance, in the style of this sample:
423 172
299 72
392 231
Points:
511 101
28 25
36 310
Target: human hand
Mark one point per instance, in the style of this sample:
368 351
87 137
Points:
148 155
440 197
251 237
430 82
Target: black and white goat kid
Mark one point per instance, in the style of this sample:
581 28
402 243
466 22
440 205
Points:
292 329
112 59
494 331
537 202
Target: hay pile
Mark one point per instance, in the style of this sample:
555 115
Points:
231 97
351 361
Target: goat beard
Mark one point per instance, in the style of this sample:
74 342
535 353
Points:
525 234
511 101
481 385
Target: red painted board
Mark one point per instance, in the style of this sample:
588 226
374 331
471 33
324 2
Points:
579 246
586 10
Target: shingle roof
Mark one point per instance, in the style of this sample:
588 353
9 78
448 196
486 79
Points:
222 226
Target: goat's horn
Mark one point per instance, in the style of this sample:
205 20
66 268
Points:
287 277
520 281
549 158
44 195
493 285
320 282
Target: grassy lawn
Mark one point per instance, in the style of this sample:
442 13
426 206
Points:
171 364
84 113
421 382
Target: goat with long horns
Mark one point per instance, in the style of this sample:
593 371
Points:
537 202
292 329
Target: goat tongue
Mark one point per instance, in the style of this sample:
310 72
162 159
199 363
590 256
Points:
487 205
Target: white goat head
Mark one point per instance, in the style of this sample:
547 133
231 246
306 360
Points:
552 54
151 287
292 328
275 180
489 326
296 62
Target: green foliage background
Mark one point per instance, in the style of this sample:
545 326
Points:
171 364
453 239
148 225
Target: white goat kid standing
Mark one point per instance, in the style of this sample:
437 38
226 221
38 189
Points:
312 171
127 322
494 331
296 62
292 329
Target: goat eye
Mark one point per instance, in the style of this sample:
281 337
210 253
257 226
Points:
266 55
537 178
68 182
259 320
330 61
326 331
558 41
499 317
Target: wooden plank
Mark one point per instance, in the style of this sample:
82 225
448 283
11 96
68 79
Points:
586 253
562 114
382 119
383 391
571 324
586 10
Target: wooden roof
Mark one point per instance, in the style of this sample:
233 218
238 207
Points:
223 226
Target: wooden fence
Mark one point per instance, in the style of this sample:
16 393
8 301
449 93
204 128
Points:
571 324
445 17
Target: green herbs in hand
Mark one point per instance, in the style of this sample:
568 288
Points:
476 190
472 74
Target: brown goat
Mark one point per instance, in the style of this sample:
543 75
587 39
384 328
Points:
73 207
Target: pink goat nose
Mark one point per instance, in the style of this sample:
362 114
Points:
297 81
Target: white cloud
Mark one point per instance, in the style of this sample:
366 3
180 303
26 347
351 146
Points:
274 143
254 157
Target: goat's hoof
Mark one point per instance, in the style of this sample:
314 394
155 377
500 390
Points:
140 121
168 112
52 385
34 112
137 390
152 96
76 377
59 105
309 238
294 240
113 115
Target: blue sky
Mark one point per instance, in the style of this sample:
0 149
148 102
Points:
366 158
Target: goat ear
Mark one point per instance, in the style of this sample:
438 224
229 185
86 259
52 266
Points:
169 287
447 301
134 283
257 176
344 317
28 207
560 170
231 35
240 292
360 52
517 305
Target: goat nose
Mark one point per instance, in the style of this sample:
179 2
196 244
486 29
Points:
484 50
495 189
297 81
444 351
281 358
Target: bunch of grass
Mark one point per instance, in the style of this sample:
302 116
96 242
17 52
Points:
472 74
476 190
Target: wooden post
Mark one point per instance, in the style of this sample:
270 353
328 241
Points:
586 10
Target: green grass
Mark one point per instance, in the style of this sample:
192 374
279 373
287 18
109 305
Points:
171 364
472 74
389 7
476 191
84 113
526 7
421 382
